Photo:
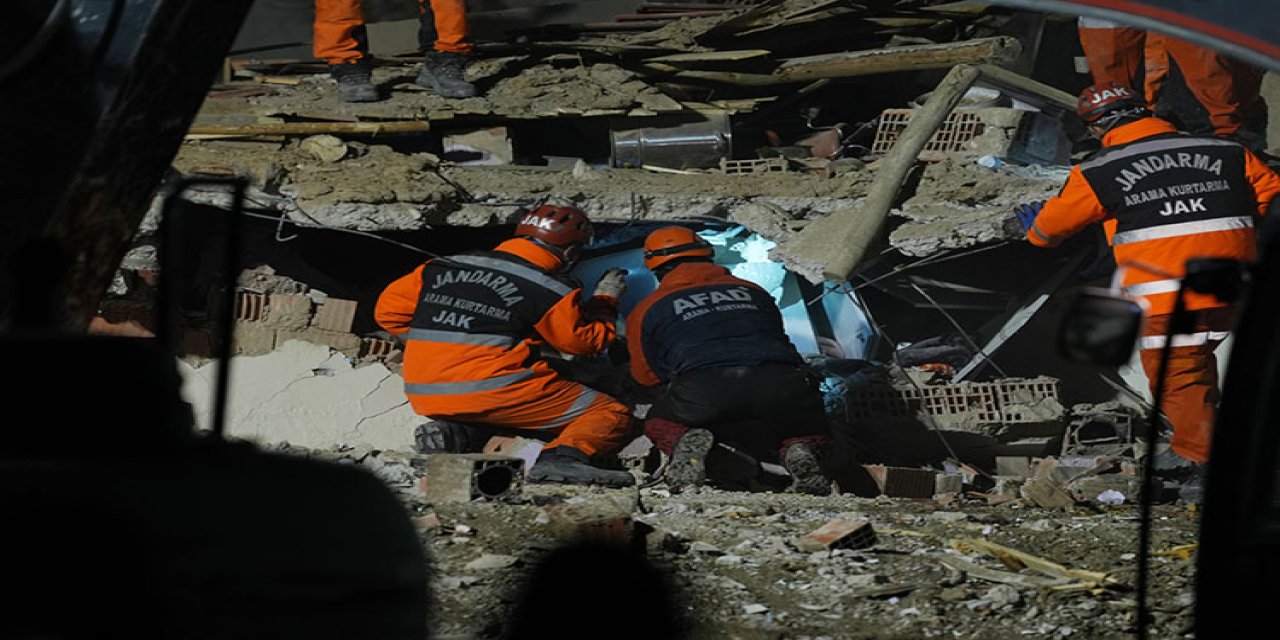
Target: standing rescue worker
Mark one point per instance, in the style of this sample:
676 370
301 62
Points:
1203 91
718 344
1163 197
474 324
444 38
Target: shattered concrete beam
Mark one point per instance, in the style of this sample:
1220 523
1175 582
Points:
1019 84
850 64
832 247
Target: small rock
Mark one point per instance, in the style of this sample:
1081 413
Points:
953 594
325 148
702 547
756 608
728 561
948 516
1042 525
1003 596
491 561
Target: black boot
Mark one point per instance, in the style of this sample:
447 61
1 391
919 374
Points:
1191 491
442 72
570 466
355 81
803 460
442 436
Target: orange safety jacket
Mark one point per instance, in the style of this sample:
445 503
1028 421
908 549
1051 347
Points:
1163 197
474 325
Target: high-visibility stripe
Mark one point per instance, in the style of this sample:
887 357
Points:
1182 229
460 337
575 410
1153 146
454 388
1184 339
1098 23
1153 287
532 275
1040 234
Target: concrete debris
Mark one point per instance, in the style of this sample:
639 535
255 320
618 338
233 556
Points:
465 477
838 534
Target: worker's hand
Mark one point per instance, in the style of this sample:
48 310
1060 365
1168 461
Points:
1027 213
612 284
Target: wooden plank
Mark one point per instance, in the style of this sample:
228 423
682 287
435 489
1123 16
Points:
710 56
311 128
1016 559
850 64
1019 84
1002 577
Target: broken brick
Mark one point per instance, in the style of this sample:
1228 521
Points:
903 482
288 311
838 534
335 314
1046 493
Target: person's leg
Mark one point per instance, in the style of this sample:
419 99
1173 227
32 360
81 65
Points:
1227 90
681 423
1191 385
585 423
339 38
1114 52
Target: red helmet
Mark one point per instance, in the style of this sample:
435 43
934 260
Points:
557 226
1108 97
668 243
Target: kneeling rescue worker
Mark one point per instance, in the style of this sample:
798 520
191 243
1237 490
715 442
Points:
718 343
474 323
1163 197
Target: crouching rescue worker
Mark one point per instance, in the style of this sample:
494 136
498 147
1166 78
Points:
473 326
717 343
1163 198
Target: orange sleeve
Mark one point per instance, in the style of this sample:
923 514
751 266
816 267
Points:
577 329
396 304
641 372
1266 184
1068 213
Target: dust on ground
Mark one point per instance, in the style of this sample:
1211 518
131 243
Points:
731 558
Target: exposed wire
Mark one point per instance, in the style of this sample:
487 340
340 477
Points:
964 334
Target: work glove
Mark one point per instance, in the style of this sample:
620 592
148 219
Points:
1027 213
612 284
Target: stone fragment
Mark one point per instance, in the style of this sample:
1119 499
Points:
1046 493
490 562
325 148
597 520
1016 466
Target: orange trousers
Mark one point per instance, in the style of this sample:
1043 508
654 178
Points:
339 33
1191 385
1228 91
582 418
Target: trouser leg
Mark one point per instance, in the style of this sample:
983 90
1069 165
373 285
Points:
1114 52
1191 393
443 26
339 35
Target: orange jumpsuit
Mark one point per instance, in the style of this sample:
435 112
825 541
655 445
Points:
1228 91
339 35
474 325
1163 198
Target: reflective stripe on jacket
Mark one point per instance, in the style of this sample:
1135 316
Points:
474 324
701 316
1163 198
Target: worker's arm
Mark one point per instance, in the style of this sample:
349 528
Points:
641 371
579 329
1068 213
1266 184
395 306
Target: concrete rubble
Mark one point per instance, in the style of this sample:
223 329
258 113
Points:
1013 455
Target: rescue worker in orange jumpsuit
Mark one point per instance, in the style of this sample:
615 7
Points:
1163 197
474 325
718 344
1200 90
444 38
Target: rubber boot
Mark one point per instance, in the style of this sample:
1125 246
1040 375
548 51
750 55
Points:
443 436
688 464
355 81
567 465
442 72
802 458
